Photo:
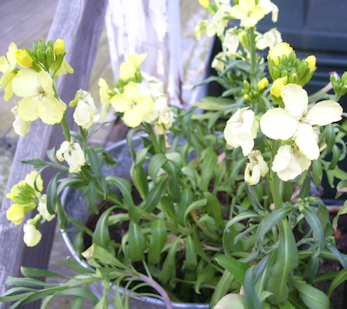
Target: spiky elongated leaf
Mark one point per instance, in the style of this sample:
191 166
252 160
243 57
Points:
158 240
315 224
137 243
169 262
174 174
235 267
251 296
101 235
207 168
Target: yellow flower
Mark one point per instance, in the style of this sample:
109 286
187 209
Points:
32 236
7 65
204 3
42 209
201 29
59 47
297 121
39 100
256 168
85 110
73 154
134 105
241 130
65 67
127 71
20 126
218 64
231 41
15 214
262 84
29 179
278 51
277 86
136 59
248 12
24 59
268 7
105 98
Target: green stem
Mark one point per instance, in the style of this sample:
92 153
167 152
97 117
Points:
275 181
153 136
80 225
252 50
66 130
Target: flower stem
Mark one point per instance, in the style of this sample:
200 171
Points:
275 181
66 130
153 137
252 48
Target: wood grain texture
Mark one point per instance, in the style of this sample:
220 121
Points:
152 28
79 23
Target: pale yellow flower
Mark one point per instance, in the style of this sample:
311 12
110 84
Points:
134 105
7 65
290 162
268 7
20 126
29 179
269 39
136 59
277 86
42 209
201 29
297 120
105 98
278 51
204 3
127 71
64 69
248 12
311 60
165 121
218 23
15 214
39 100
231 41
85 110
73 154
256 168
241 130
218 64
32 236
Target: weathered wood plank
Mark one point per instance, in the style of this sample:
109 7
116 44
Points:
152 27
79 23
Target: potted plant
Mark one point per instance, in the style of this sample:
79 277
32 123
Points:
220 209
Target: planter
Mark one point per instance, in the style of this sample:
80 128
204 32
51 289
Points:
75 207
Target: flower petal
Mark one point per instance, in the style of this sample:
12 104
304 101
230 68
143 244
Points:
4 65
11 55
133 117
51 110
278 123
146 105
25 84
20 126
324 112
132 91
121 103
237 12
245 140
295 99
46 83
306 140
28 108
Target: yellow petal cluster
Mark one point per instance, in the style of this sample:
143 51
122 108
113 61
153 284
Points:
248 12
73 154
24 59
256 168
278 51
59 47
7 67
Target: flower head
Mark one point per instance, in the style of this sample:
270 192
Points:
59 47
23 58
42 209
296 120
7 66
20 126
127 71
255 168
278 51
105 98
15 214
133 104
73 154
268 7
262 84
248 12
32 236
231 41
136 59
38 97
277 86
85 110
241 130
269 39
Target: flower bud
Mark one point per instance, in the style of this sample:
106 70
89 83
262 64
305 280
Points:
59 47
293 78
284 60
42 44
50 44
275 73
277 86
292 57
204 3
246 85
311 61
284 73
23 58
15 214
32 236
41 56
49 56
344 77
262 84
280 50
301 68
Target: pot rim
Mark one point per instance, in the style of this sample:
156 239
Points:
83 263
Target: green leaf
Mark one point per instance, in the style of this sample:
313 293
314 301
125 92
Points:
154 196
339 278
158 240
315 224
338 255
214 208
287 260
236 170
77 267
137 243
174 174
36 162
169 263
232 301
204 276
312 297
207 166
335 158
317 172
156 163
91 196
168 207
77 303
329 134
251 296
222 288
81 292
269 222
306 187
52 194
191 260
342 211
105 257
26 282
139 178
101 235
235 267
191 175
125 187
186 200
34 272
192 206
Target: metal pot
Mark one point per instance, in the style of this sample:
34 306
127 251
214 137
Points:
75 206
